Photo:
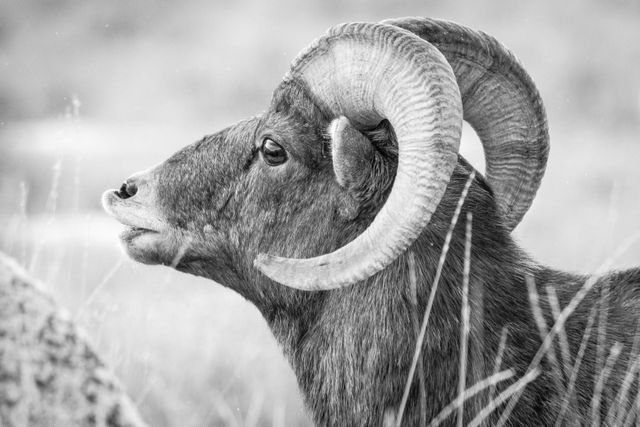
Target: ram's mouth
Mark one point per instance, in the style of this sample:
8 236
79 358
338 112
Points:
146 237
132 232
138 216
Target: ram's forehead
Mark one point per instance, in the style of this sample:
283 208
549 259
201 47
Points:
299 119
294 96
242 134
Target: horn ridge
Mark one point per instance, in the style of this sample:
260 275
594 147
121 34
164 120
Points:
502 104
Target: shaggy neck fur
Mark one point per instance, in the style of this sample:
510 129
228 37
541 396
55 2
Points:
351 349
352 357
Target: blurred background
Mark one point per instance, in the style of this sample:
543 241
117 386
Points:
92 91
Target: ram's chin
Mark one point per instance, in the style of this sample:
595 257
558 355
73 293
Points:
147 246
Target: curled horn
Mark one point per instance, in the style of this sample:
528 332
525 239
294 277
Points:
501 103
371 72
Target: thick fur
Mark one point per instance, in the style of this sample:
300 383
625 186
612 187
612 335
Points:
351 348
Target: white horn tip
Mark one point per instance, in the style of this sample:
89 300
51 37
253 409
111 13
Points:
283 270
272 267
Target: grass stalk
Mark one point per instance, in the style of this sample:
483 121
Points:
498 360
24 197
564 341
602 339
596 399
489 382
413 285
502 397
51 206
632 415
534 300
255 408
17 224
576 366
87 302
432 294
564 315
617 412
464 333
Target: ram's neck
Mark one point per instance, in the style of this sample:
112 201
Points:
352 354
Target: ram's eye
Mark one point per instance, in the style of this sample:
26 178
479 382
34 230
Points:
273 153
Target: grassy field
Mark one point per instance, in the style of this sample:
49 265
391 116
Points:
90 94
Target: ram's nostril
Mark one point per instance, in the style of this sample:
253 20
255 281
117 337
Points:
127 189
132 188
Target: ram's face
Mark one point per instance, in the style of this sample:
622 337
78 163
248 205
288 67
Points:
168 208
262 185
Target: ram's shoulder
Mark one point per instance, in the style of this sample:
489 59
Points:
625 279
625 285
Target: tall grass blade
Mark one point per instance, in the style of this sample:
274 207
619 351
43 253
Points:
632 415
253 412
564 341
413 292
566 312
534 301
596 399
502 397
51 206
617 412
15 230
279 417
498 361
489 382
603 315
576 366
464 333
98 288
432 294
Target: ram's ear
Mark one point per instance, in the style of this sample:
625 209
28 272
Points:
352 154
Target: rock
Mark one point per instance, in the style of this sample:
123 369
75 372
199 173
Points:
49 373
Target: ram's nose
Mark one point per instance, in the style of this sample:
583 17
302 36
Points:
135 204
127 189
133 185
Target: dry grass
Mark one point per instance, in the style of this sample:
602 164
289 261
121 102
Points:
464 333
618 414
576 367
432 293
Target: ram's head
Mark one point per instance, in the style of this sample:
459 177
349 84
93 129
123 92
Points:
348 164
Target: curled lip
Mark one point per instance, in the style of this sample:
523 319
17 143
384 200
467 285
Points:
138 217
131 233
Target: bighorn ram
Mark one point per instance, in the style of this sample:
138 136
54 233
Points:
314 209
